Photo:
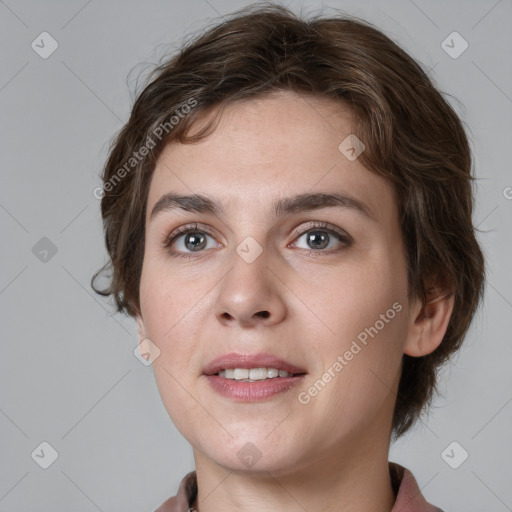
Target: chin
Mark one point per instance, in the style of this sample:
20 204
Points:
259 456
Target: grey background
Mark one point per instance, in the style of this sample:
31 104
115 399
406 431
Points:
68 375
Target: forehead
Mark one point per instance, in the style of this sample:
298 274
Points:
269 148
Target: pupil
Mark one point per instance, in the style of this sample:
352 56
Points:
318 239
195 241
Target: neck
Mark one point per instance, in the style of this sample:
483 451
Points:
350 481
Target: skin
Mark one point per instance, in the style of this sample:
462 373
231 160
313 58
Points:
331 453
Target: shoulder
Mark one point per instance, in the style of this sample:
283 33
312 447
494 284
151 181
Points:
185 497
408 493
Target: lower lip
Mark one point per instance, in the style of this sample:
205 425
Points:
252 391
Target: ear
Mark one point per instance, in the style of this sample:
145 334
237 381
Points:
429 322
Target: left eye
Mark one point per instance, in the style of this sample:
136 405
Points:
193 241
317 239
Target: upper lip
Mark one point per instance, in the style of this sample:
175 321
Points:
235 360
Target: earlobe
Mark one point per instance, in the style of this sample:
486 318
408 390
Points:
140 327
429 324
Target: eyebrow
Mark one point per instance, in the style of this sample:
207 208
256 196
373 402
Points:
293 204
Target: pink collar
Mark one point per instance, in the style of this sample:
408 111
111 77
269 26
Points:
408 494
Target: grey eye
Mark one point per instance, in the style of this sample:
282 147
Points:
317 239
195 241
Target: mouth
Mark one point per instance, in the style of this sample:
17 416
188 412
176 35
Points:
249 378
254 367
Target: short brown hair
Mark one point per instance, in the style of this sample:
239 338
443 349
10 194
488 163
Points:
412 135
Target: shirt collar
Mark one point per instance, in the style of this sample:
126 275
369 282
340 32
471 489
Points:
407 492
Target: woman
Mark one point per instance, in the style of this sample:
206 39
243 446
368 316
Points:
288 217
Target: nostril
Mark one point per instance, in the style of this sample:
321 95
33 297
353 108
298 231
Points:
263 314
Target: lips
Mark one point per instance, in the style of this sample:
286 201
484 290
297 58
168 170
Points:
251 361
226 376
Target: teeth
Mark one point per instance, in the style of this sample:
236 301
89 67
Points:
257 373
252 374
241 373
272 373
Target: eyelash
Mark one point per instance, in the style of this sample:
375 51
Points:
342 236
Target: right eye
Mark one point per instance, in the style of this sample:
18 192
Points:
187 240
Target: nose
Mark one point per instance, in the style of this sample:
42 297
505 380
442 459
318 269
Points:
249 295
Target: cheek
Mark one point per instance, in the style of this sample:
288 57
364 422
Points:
165 302
172 314
175 311
184 409
169 323
364 299
364 308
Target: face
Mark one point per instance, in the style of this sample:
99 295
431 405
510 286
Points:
291 260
